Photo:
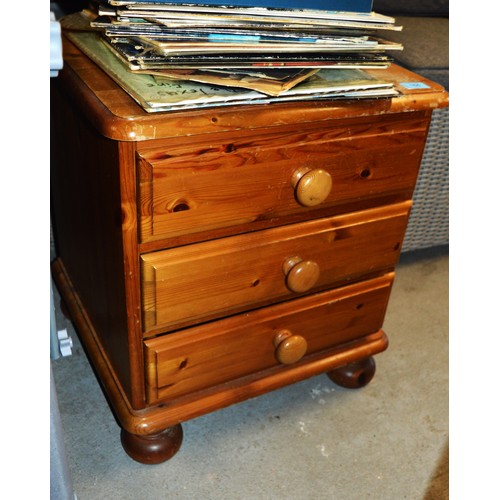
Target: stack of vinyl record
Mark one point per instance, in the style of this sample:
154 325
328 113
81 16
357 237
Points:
188 36
275 51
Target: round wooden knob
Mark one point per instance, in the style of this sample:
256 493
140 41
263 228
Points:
289 348
312 187
301 275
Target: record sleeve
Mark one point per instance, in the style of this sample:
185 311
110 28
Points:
177 95
331 5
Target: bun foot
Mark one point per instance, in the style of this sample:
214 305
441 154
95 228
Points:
354 375
155 448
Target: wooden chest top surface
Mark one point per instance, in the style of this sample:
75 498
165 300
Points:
117 116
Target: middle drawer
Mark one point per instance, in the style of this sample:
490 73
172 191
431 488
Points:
195 283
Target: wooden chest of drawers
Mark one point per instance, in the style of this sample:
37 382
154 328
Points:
206 257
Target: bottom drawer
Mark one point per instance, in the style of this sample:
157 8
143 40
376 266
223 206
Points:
204 356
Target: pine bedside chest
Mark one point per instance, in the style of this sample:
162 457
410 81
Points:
210 256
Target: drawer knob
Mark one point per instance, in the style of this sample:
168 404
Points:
289 348
301 275
312 186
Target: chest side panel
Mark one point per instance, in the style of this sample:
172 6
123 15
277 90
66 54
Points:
87 218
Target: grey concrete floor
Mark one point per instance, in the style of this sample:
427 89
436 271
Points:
312 440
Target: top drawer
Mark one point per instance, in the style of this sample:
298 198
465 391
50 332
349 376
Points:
187 187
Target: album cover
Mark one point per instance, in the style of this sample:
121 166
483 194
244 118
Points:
329 5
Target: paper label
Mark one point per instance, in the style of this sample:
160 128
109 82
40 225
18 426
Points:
414 85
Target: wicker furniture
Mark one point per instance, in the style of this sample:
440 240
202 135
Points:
425 38
429 220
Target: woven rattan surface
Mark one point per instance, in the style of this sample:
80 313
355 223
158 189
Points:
429 220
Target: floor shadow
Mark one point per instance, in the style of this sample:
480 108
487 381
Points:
424 254
439 484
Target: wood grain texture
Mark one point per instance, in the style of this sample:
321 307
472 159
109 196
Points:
131 269
86 198
199 358
186 187
183 221
186 285
155 419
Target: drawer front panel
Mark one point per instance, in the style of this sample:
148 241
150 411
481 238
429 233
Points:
219 352
204 281
185 190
